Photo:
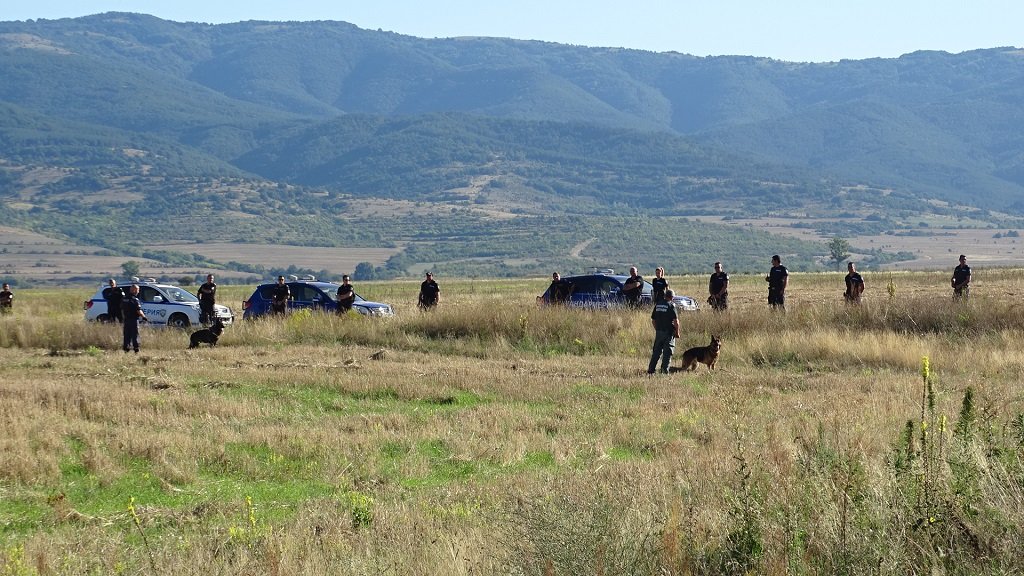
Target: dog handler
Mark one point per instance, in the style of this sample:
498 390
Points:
666 330
207 298
132 314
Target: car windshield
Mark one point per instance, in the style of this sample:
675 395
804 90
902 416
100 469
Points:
178 295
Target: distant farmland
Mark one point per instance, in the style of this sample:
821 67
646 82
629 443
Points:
338 260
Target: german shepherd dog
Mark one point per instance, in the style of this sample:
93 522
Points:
703 355
206 335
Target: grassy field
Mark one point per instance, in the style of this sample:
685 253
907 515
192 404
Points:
496 437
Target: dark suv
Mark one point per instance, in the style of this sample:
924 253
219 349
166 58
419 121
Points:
604 290
309 294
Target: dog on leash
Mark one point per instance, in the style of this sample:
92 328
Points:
206 335
702 355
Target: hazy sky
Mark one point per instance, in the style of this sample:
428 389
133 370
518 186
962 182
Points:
798 30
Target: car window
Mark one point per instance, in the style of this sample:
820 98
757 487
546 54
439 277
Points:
303 292
585 285
178 295
148 294
607 286
266 291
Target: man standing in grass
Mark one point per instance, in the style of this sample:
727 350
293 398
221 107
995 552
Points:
666 330
279 297
558 291
430 293
718 289
961 280
659 285
6 299
778 281
114 295
633 289
207 298
854 285
346 295
132 314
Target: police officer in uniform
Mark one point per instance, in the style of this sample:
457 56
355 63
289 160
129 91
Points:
718 289
666 330
346 295
633 289
778 280
6 299
114 295
132 310
854 285
430 293
279 297
961 280
207 298
557 290
658 285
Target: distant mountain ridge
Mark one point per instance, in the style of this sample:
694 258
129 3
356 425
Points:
132 102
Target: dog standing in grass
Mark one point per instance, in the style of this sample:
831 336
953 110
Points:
702 355
206 335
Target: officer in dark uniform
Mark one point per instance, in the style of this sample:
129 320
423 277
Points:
279 297
633 289
430 293
718 289
778 280
6 299
854 285
666 330
207 298
114 295
556 290
961 280
346 295
658 285
132 311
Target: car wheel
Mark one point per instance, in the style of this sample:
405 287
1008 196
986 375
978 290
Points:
178 321
103 318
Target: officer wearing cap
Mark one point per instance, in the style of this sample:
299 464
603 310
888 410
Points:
430 293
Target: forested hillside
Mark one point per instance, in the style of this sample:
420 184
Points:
284 128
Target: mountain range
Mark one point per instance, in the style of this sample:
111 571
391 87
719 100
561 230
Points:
287 129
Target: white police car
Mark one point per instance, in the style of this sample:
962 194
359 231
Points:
163 304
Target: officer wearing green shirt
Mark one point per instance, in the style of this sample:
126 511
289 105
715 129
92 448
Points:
666 330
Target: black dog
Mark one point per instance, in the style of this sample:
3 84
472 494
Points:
206 335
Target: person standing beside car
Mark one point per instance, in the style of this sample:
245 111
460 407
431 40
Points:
659 285
718 289
665 321
207 299
633 289
430 293
346 295
6 299
279 297
778 281
114 295
132 311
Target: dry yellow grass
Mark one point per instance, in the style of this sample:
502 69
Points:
498 437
